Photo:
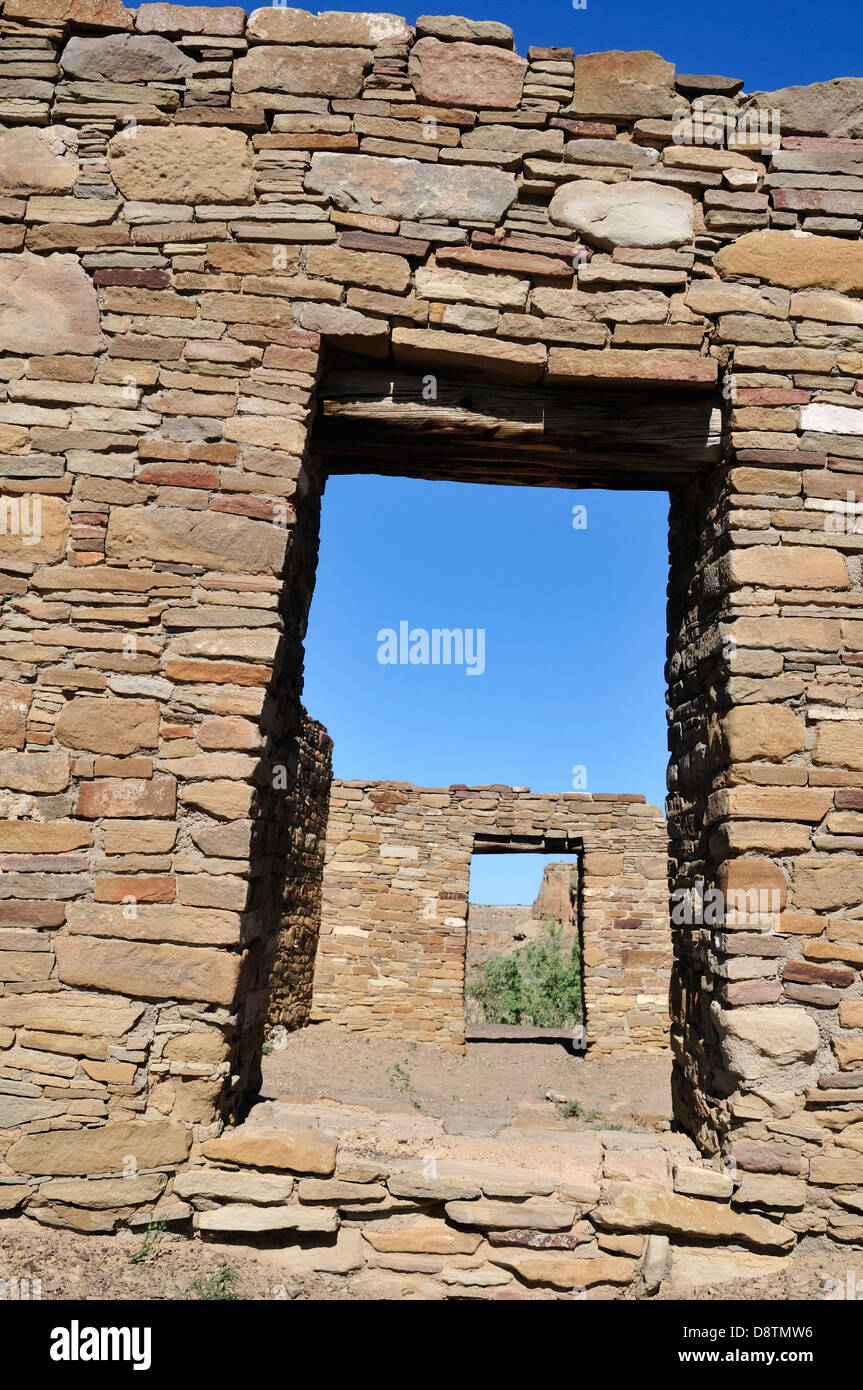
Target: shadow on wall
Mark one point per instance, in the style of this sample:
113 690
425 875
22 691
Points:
284 836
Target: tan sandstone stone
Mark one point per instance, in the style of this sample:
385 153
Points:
38 161
301 71
183 164
795 260
228 543
75 1153
148 971
769 732
466 74
106 725
47 305
685 1216
298 1152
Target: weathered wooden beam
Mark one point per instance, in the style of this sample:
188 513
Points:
384 423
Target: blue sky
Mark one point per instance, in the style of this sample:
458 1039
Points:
769 43
574 623
574 620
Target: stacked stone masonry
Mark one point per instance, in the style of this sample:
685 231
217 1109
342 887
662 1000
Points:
199 210
393 937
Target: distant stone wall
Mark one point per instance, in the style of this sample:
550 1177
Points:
391 956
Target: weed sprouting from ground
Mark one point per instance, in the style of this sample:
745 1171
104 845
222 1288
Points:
217 1287
152 1235
400 1080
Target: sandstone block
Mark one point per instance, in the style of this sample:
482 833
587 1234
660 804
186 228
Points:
298 1152
775 1192
839 743
753 880
692 1181
789 567
235 1217
530 1215
795 260
38 161
220 1184
625 214
403 188
35 772
93 14
763 732
14 708
47 305
208 1046
224 799
37 531
636 1210
183 164
567 1271
332 28
70 1012
757 1038
148 971
216 540
155 922
517 362
103 1194
76 1153
227 21
466 74
139 837
821 108
300 71
106 725
125 58
423 1237
128 797
830 883
375 270
625 86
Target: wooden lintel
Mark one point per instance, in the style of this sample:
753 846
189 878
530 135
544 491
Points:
384 423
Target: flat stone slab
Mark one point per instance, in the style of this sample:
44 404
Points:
243 1217
517 1216
408 188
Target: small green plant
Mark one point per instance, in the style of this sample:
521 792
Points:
152 1235
267 1049
539 984
218 1287
400 1080
574 1110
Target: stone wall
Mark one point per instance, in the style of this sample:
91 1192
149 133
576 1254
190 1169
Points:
291 973
198 210
391 955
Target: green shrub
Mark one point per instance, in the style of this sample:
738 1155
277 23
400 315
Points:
539 984
219 1287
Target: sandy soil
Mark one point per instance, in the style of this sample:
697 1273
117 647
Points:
69 1265
496 1080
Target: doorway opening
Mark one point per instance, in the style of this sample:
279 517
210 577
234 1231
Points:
524 975
431 760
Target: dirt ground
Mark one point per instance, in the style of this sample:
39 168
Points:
103 1267
497 1080
100 1267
